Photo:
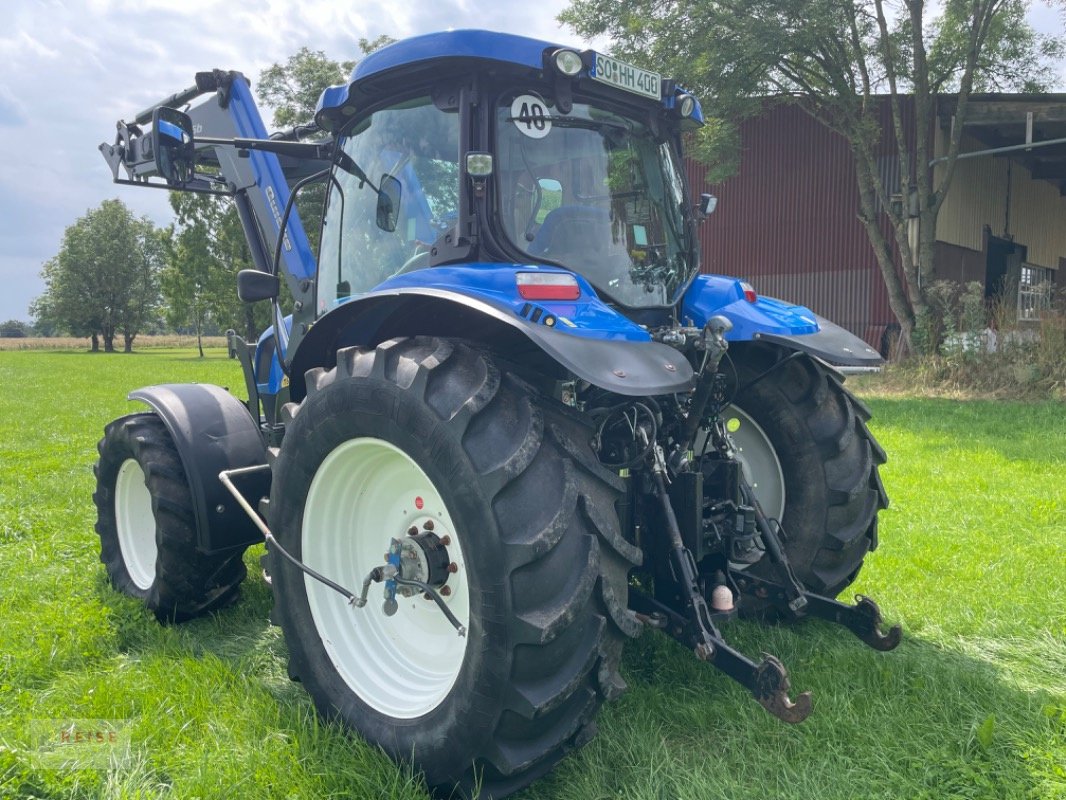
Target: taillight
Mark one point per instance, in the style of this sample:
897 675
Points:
547 286
749 292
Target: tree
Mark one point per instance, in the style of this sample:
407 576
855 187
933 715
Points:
14 329
205 251
292 89
207 247
834 57
104 280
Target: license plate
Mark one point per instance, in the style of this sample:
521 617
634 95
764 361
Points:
625 76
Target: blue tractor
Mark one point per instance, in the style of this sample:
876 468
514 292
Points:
501 423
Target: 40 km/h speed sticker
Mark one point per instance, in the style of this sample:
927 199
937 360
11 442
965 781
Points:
530 115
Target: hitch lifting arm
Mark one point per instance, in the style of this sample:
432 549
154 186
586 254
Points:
688 618
767 681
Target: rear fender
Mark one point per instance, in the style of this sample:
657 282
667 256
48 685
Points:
213 431
626 367
772 320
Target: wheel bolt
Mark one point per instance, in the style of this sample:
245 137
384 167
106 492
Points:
428 525
445 591
453 568
427 596
412 531
446 540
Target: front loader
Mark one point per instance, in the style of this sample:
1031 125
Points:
505 424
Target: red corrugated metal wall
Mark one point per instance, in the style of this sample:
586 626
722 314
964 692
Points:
788 221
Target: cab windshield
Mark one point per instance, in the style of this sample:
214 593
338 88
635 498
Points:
596 192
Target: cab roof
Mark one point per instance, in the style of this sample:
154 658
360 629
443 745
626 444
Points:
337 102
506 48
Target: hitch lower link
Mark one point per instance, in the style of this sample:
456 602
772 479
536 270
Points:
767 680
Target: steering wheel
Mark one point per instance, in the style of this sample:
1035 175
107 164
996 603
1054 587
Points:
419 260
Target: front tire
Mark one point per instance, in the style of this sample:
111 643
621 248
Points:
813 462
147 526
421 430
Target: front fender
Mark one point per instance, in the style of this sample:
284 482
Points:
626 367
213 431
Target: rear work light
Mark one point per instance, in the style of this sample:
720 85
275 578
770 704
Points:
749 292
547 286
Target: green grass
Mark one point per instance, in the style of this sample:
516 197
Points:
972 704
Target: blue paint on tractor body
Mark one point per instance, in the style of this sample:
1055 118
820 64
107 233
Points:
587 316
503 48
269 178
719 294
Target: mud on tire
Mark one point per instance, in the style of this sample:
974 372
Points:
828 457
147 526
545 567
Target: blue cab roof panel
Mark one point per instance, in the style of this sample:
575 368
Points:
506 48
488 45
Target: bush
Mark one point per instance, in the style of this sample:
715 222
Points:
967 345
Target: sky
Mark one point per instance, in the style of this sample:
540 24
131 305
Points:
74 67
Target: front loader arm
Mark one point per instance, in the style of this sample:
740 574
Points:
257 181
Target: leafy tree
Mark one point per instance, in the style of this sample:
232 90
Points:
205 251
104 280
292 89
207 247
834 57
14 329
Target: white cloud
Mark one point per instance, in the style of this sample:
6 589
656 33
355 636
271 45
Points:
73 67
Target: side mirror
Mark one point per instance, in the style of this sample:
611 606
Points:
708 203
389 191
173 146
253 285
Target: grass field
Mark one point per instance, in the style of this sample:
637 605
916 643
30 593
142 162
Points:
170 340
972 704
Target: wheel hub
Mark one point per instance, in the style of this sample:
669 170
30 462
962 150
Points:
423 557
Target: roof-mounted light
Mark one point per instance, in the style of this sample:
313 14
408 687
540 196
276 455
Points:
547 286
568 62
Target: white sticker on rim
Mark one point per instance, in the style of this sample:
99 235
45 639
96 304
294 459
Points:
530 115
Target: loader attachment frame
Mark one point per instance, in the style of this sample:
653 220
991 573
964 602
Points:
230 138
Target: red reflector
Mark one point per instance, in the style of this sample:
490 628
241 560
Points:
547 286
749 292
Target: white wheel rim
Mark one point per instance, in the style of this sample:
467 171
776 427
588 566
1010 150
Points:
762 469
365 493
135 523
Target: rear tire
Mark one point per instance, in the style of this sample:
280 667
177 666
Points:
423 429
815 430
147 525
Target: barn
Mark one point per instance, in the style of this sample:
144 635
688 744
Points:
788 221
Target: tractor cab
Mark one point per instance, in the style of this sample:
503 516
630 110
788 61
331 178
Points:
505 150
